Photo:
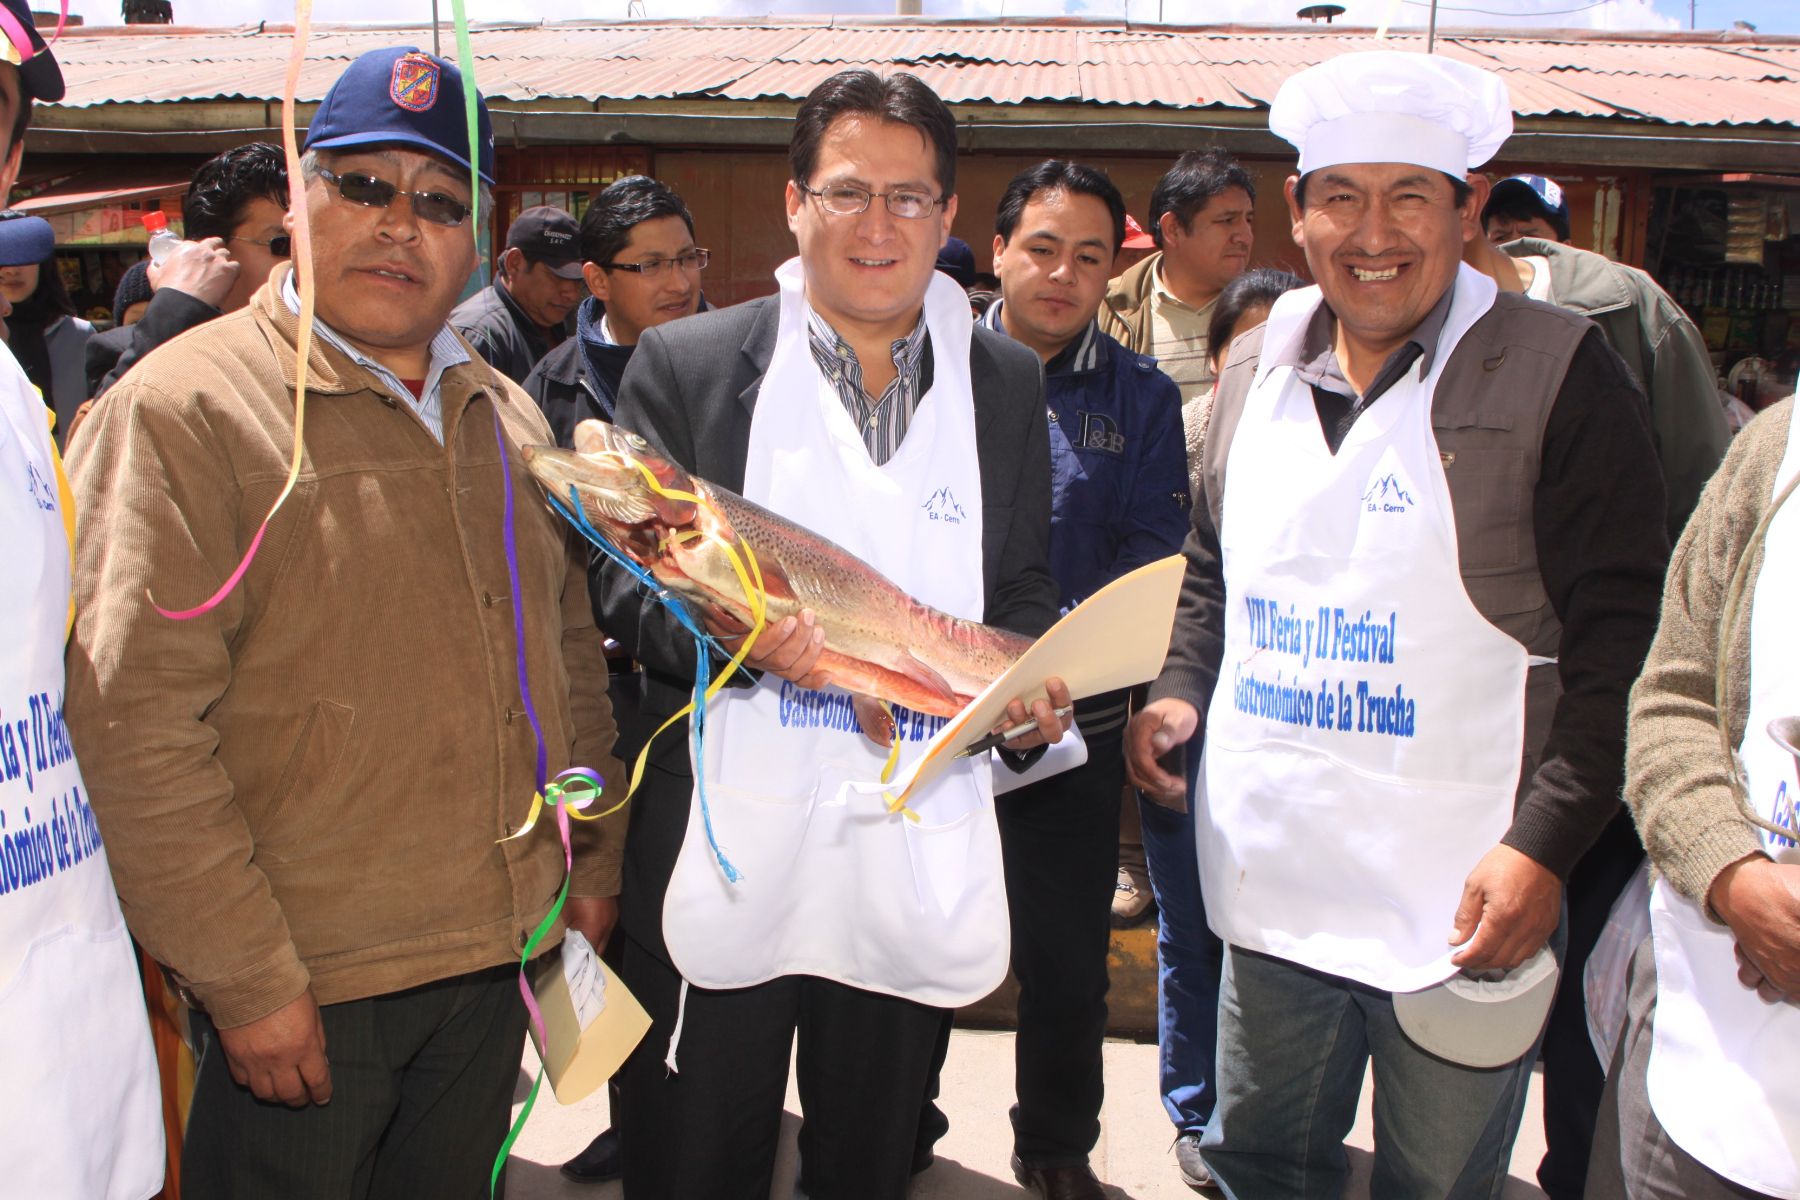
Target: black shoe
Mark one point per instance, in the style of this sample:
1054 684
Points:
1194 1171
1059 1183
598 1163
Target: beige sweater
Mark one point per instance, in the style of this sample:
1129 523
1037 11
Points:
1676 773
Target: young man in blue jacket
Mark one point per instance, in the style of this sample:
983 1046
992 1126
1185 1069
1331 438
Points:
1119 500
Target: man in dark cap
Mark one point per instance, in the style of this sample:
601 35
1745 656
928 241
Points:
79 1111
305 811
524 313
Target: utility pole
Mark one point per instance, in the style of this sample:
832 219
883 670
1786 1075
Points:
436 50
1431 30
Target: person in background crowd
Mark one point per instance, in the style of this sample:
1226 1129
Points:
1702 1101
1348 471
1137 246
957 261
1241 307
866 368
80 1113
303 785
1201 214
1189 955
642 270
132 297
524 313
46 337
1119 500
1522 206
1202 220
232 218
1667 355
984 289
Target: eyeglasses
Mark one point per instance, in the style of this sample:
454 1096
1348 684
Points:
281 246
371 192
655 268
847 200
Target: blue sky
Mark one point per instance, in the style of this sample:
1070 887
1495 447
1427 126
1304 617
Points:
1769 16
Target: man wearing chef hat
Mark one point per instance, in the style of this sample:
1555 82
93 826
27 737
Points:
1422 580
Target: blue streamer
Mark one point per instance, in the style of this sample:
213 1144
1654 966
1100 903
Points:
705 646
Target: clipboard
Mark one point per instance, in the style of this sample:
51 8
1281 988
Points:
577 1060
1116 638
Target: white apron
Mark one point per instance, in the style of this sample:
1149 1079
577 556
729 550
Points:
1363 743
1724 1075
833 884
80 1110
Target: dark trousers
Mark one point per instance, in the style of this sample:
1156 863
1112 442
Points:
422 1088
1059 840
709 1131
1573 1078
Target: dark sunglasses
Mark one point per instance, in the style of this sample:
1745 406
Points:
371 192
281 246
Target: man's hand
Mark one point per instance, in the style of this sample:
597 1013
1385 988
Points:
202 269
1156 729
1760 901
789 648
593 917
281 1057
1511 904
1050 727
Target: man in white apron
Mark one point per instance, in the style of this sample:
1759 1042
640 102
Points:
1703 1097
859 402
80 1113
1418 496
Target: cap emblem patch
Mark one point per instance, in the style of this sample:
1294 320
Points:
415 82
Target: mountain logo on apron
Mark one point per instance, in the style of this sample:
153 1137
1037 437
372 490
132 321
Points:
943 507
1388 494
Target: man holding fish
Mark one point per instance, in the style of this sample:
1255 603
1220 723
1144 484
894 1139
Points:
861 404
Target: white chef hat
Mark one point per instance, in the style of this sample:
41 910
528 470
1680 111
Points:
1390 106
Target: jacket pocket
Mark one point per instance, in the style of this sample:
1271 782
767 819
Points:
1490 488
304 786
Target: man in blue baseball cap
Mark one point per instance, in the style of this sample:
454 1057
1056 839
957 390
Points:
80 1114
304 786
1526 206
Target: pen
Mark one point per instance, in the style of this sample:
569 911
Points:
1006 735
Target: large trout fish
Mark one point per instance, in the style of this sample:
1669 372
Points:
879 641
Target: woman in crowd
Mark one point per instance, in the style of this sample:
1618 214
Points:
47 338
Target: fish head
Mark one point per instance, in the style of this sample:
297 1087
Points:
632 496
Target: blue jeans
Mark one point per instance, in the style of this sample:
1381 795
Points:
1293 1044
1189 957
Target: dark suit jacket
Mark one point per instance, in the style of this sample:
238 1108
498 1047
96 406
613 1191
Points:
690 390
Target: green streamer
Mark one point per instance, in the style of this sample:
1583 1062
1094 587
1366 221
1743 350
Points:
512 1135
465 62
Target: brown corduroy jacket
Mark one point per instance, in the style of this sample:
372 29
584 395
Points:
307 785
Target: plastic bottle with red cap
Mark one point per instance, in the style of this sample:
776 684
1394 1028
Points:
162 238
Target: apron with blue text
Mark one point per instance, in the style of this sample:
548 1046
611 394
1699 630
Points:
832 883
80 1110
1363 743
1724 1075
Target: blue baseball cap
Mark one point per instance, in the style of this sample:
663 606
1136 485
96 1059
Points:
24 239
1539 192
406 96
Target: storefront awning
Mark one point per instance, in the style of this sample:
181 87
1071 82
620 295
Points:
101 187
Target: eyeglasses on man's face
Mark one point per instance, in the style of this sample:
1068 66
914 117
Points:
694 261
281 246
848 200
371 192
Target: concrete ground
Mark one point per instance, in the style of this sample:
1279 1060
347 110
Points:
1134 1155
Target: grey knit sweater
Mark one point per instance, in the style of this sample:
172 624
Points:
1676 772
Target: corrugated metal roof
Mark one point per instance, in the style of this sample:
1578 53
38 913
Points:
1680 79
